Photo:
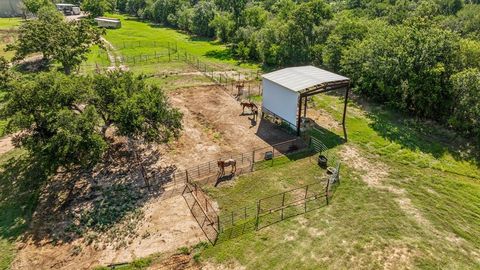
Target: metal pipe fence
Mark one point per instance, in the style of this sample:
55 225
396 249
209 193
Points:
202 210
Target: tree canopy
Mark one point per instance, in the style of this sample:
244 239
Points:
56 39
64 119
403 53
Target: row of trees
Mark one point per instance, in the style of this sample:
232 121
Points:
419 56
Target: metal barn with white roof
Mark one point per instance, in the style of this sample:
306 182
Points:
285 91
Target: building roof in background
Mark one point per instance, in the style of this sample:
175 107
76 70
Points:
104 19
301 78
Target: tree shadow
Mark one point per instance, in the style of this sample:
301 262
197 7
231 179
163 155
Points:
78 204
328 138
422 135
223 55
21 182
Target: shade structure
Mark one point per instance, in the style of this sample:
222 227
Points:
285 91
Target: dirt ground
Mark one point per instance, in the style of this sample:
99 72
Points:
214 127
6 145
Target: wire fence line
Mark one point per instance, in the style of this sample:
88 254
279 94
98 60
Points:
241 84
266 211
208 172
202 210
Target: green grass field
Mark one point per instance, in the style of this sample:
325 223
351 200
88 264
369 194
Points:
433 223
8 27
137 38
420 210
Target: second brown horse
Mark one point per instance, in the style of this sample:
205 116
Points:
248 104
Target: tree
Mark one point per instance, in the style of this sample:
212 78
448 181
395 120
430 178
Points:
135 6
57 40
184 19
5 74
407 66
95 8
163 9
466 109
64 119
236 7
223 24
122 5
203 13
347 31
33 6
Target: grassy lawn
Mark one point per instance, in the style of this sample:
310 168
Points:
140 38
7 34
433 223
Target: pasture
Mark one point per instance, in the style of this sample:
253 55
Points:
408 196
8 31
399 205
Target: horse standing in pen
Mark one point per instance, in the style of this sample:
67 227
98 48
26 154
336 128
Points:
222 164
248 104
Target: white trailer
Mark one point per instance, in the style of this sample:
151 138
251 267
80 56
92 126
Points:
108 22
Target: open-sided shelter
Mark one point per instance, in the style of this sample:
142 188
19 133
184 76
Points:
285 92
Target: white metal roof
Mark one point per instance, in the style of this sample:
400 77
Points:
301 78
103 19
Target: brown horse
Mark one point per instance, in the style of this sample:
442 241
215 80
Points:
222 164
255 113
248 104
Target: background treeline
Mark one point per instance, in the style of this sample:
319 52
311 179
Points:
420 56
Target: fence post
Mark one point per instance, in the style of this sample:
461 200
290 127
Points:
283 203
186 175
326 191
306 195
258 215
273 154
253 160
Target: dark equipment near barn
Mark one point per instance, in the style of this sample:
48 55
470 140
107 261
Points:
322 161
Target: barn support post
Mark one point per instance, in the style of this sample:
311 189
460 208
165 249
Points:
305 107
306 196
345 113
273 155
299 115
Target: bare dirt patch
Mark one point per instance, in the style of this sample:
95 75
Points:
64 232
323 119
373 173
106 217
6 145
